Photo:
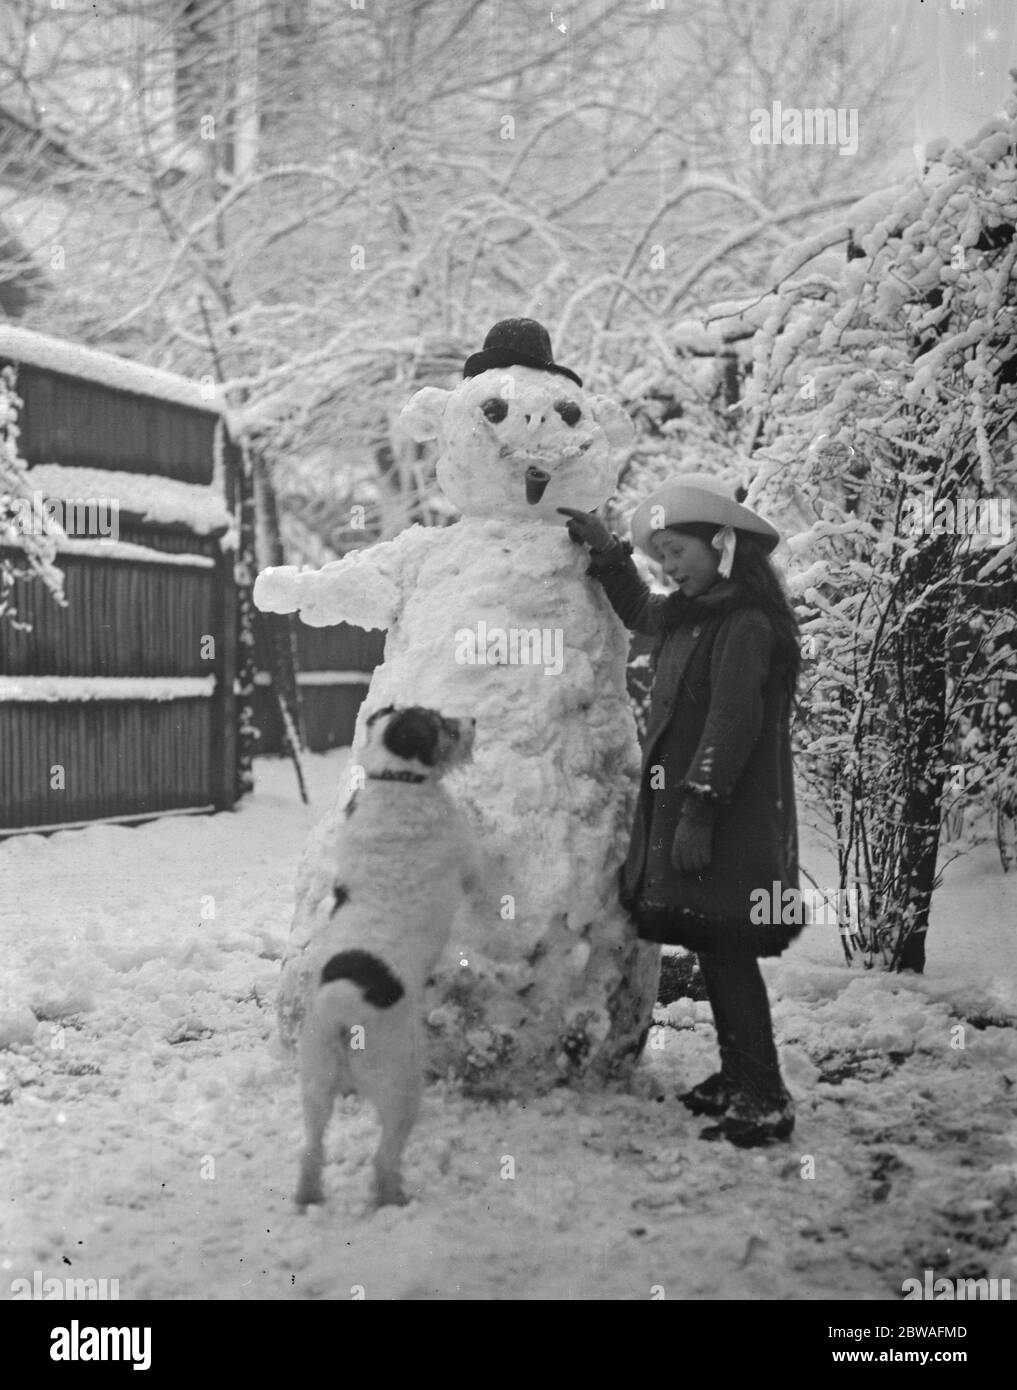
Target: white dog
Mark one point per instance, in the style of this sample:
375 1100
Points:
405 857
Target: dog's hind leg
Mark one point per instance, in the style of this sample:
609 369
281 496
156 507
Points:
388 1073
322 1075
397 1105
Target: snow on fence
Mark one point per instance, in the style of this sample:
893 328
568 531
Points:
122 704
92 409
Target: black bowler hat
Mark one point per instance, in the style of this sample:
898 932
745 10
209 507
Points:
517 343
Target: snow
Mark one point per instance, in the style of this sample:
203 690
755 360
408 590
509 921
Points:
155 499
103 549
723 322
138 1022
51 689
90 364
873 208
333 678
694 335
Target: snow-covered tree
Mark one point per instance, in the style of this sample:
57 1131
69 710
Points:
322 206
885 398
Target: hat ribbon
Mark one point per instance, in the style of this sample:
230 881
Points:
724 541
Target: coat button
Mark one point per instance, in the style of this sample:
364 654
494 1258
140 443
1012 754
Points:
696 631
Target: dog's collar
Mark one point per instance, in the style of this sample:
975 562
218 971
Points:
387 776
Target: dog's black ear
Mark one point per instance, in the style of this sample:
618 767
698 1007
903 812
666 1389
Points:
378 714
413 733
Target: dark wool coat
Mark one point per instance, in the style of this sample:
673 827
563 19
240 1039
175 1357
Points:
717 748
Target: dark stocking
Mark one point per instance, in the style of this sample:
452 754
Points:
741 1012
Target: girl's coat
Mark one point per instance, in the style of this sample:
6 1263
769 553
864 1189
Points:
717 747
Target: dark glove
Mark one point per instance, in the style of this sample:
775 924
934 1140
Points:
693 844
586 529
693 839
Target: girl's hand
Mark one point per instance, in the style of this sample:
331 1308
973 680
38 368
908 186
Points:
587 529
692 847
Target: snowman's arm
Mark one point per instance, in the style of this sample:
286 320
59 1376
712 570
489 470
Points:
365 588
639 608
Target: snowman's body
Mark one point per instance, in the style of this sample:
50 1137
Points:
496 618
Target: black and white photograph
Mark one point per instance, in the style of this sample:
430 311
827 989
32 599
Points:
508 663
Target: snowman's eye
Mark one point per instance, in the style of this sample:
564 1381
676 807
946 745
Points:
495 409
569 412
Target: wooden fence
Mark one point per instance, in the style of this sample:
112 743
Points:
122 704
334 666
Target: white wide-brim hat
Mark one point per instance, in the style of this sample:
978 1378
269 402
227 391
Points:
697 497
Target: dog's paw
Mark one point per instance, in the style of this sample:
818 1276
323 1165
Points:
389 1192
308 1194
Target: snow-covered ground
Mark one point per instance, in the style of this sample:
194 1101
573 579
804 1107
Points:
150 1127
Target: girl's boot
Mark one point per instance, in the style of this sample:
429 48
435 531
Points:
749 1122
714 1095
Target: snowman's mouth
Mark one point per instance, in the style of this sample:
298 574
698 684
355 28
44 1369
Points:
559 457
537 480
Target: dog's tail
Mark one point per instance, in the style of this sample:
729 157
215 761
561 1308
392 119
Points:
348 981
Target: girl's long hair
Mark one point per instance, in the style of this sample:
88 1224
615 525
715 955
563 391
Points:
756 577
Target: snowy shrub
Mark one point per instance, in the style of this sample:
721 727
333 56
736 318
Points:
887 403
680 976
33 547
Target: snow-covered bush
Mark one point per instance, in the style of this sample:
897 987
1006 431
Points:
27 547
887 405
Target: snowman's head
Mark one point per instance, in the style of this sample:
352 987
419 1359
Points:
520 441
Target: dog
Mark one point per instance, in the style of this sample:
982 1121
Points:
406 856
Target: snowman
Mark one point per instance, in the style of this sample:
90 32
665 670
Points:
495 618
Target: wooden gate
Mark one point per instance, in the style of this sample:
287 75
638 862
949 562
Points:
121 705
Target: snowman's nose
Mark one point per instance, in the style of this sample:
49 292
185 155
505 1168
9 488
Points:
534 422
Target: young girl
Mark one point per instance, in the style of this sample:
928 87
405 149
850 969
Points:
715 842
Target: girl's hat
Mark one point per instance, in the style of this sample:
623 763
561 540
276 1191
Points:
697 497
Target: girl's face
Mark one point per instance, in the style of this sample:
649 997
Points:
691 564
